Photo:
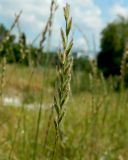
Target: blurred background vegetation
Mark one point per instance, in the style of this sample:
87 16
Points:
113 40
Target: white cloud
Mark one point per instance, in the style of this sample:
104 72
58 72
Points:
118 9
81 44
86 12
35 13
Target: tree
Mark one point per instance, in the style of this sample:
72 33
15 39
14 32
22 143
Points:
3 32
113 39
6 43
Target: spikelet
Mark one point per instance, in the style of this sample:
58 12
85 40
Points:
47 29
2 78
124 65
64 69
64 76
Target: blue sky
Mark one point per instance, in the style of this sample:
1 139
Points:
90 15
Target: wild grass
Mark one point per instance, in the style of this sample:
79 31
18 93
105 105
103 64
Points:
91 125
88 133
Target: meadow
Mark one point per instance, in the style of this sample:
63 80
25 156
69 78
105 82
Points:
41 118
94 126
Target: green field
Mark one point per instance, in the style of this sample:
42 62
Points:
94 127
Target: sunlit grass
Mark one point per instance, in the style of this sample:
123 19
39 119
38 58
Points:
86 135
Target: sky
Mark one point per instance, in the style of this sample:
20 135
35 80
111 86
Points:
90 16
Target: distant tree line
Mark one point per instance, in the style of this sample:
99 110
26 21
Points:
18 51
113 40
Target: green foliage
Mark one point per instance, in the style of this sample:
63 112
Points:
114 36
23 53
81 64
3 31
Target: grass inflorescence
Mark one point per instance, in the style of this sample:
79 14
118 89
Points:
41 119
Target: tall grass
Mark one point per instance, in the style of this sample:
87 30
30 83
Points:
95 124
2 78
64 76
